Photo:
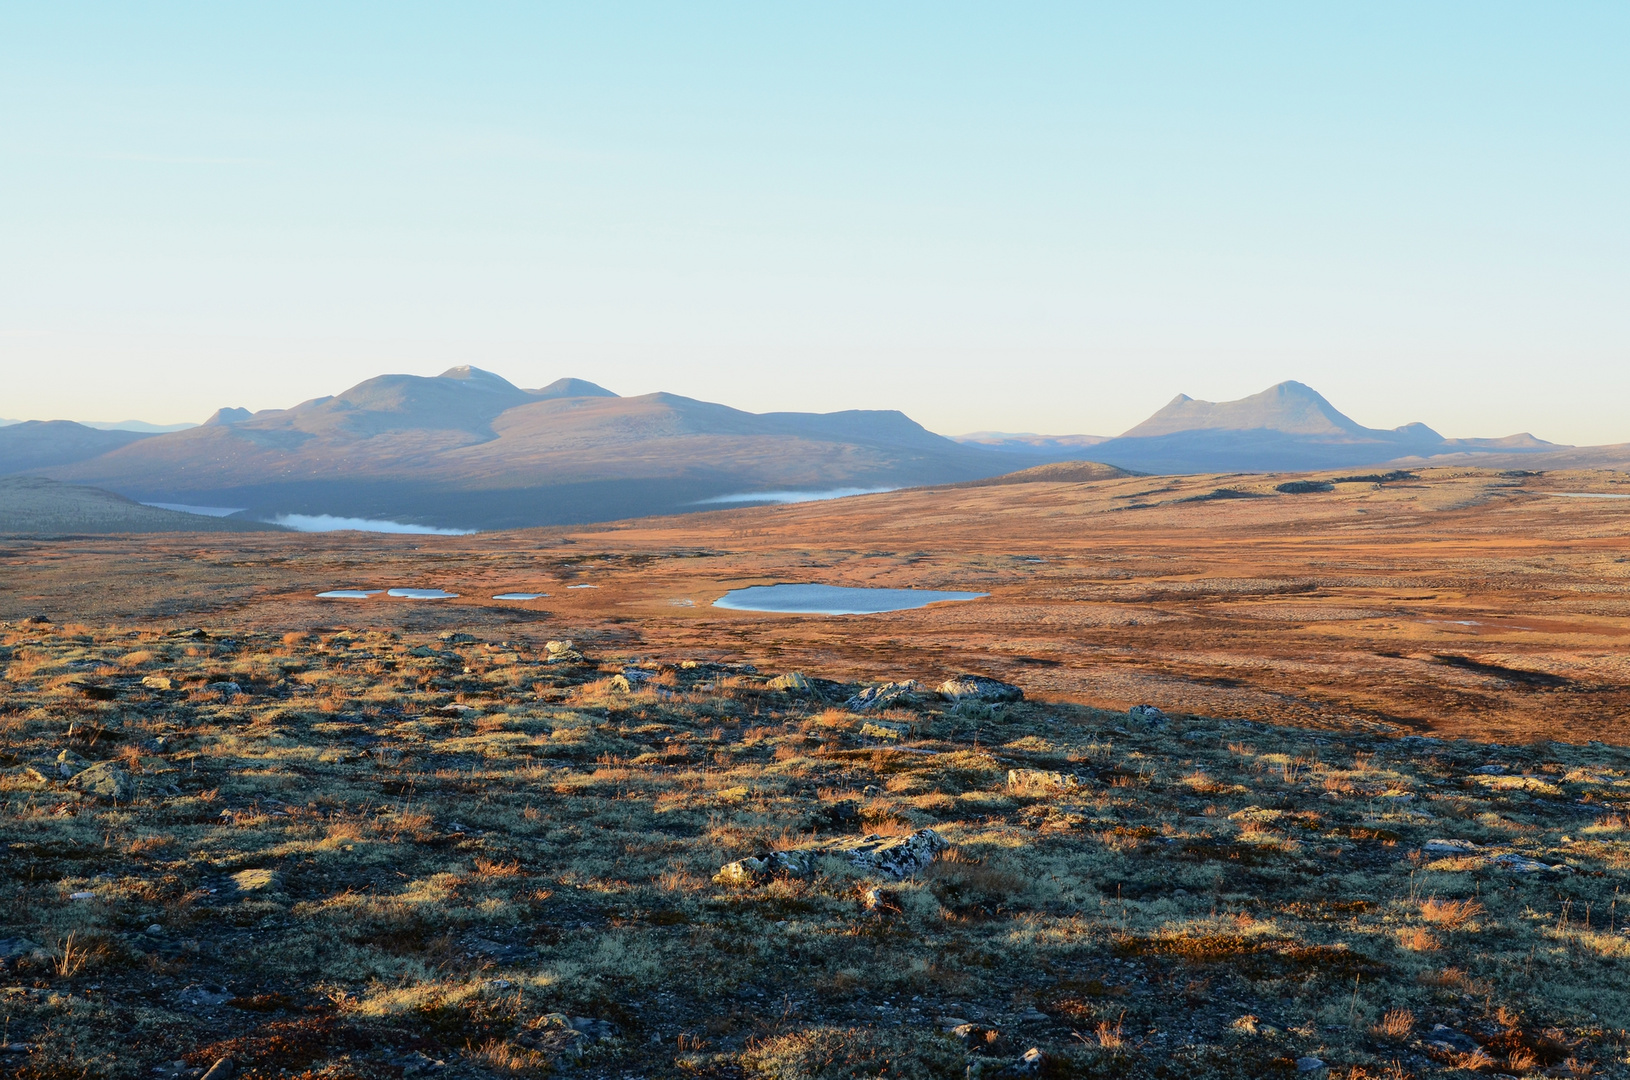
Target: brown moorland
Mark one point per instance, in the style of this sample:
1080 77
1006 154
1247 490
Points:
1452 602
386 839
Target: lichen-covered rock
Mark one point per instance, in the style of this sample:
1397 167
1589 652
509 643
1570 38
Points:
793 682
562 652
771 864
893 856
881 697
1260 815
105 780
884 729
158 682
979 688
1030 779
260 880
1148 714
887 856
70 764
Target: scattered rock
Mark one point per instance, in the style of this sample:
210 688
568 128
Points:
843 814
1261 815
562 652
975 1036
452 637
13 949
887 856
70 764
225 689
158 682
455 708
247 881
979 688
1031 1061
200 996
884 729
1030 779
620 684
82 895
105 780
1148 714
1447 1040
1489 770
1440 846
884 695
635 675
793 682
1309 1064
1522 864
187 632
155 930
880 901
894 856
223 1069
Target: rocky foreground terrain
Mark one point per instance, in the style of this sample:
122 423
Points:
393 854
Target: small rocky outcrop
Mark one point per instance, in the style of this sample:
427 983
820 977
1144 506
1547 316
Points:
893 857
884 729
562 652
105 780
979 688
1147 714
1031 779
884 695
793 682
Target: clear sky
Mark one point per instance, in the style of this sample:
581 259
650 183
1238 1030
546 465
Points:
1001 216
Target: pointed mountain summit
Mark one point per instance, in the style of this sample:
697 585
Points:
1289 427
1290 407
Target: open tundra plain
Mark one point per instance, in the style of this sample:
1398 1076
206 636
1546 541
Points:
1375 825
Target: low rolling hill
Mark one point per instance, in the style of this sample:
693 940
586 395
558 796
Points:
34 506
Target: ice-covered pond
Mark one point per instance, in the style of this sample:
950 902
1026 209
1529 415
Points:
834 599
520 596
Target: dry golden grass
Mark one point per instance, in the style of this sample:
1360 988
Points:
530 885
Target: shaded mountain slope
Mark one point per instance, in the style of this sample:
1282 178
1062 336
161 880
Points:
470 448
35 506
39 444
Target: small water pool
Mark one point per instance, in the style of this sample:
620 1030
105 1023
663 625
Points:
521 596
422 594
1586 495
348 594
834 599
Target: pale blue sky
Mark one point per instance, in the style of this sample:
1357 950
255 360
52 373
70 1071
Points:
1019 217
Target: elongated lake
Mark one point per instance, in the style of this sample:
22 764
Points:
834 599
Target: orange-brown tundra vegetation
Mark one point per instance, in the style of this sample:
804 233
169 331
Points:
383 839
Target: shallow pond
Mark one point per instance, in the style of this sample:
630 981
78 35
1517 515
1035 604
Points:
834 599
422 594
348 594
520 596
1587 495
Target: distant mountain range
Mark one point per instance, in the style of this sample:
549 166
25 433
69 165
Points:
1286 428
468 448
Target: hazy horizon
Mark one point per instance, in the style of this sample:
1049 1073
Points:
1045 220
